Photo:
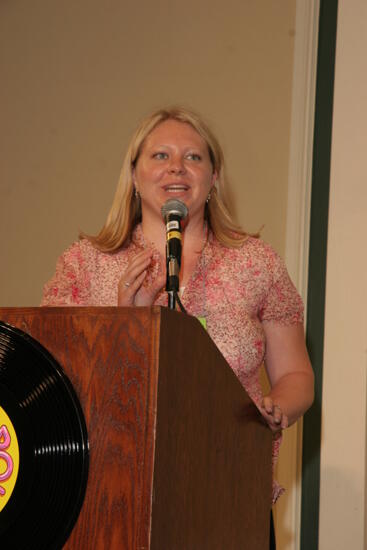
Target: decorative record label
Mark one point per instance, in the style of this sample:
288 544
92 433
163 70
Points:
9 458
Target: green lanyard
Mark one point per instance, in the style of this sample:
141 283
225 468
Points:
202 321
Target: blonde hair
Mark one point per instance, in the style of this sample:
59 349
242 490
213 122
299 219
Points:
125 212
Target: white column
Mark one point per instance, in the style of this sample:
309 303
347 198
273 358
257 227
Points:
343 448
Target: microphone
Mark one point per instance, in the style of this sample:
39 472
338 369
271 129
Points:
173 212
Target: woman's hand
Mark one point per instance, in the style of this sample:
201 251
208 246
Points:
131 288
273 415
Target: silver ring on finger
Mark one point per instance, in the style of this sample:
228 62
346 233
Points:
127 284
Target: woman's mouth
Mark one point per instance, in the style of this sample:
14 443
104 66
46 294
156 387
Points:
176 188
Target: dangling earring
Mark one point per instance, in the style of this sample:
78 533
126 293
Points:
136 193
208 198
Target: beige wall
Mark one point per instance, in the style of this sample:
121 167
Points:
76 77
343 451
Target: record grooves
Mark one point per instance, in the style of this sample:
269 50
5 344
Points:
48 456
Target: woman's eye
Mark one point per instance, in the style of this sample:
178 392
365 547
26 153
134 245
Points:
194 156
160 156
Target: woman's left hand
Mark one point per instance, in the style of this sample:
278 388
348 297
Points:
273 415
290 375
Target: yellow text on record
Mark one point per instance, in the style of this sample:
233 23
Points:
9 458
173 235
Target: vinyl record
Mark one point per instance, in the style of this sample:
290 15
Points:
43 447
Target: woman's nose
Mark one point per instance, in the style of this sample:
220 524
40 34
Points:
176 165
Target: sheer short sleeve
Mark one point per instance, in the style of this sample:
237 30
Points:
70 286
282 303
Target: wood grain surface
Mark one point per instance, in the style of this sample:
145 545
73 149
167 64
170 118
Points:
179 456
109 354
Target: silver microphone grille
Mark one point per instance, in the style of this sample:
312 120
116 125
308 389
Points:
176 207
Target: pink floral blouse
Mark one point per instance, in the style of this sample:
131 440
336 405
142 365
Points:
236 290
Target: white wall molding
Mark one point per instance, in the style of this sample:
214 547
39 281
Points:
297 240
301 142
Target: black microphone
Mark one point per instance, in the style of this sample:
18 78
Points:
173 212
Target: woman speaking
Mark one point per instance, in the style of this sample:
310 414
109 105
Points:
235 282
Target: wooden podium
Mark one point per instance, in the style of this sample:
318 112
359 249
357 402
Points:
179 456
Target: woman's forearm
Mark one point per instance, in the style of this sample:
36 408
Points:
294 394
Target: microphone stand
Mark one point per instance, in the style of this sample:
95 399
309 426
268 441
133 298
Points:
172 282
171 299
172 285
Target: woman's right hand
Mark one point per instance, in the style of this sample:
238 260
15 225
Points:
131 290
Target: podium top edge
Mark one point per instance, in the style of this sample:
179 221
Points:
77 309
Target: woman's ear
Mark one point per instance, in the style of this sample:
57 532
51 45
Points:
134 179
214 178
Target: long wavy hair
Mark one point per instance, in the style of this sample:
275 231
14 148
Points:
125 212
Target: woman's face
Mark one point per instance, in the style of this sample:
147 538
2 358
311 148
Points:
174 163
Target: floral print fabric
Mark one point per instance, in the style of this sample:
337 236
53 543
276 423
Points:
237 290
